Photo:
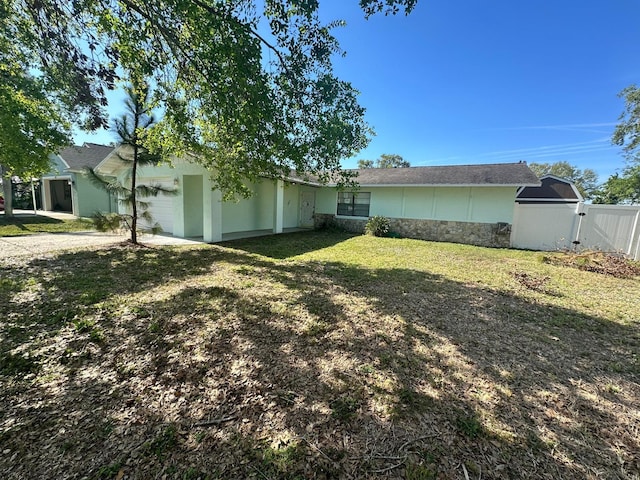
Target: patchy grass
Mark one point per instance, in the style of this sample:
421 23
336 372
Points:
316 355
28 225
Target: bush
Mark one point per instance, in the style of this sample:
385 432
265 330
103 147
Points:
377 226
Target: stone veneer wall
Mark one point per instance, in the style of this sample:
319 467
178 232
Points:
471 233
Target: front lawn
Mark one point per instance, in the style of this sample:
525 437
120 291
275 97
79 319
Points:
30 224
317 355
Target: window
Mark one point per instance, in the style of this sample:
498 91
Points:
354 204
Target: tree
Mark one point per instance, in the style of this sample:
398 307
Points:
385 160
627 132
626 188
31 124
247 86
623 189
131 129
366 163
586 181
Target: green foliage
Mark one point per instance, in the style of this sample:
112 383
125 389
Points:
414 471
385 160
32 126
625 188
246 86
621 189
283 460
469 425
392 7
165 441
110 222
345 408
377 226
627 132
586 181
108 471
132 128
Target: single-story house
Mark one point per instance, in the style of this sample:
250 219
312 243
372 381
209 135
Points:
552 190
66 189
469 204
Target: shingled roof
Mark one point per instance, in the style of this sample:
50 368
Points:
552 189
497 174
86 155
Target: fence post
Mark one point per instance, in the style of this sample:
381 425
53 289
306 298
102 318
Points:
579 211
633 236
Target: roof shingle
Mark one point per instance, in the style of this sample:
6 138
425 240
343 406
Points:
86 155
498 174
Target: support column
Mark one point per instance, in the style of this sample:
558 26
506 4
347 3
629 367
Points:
278 213
212 213
178 208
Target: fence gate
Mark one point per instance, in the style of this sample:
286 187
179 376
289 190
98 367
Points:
609 228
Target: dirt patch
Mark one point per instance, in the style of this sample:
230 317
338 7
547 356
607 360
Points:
599 262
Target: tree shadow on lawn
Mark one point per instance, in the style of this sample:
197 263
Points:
318 370
27 223
298 243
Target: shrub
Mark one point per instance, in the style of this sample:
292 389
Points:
377 226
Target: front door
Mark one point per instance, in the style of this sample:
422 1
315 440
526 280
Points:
307 208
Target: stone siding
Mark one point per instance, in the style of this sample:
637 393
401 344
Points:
470 233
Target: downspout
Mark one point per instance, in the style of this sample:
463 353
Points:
581 214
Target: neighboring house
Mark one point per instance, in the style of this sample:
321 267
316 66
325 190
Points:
66 189
552 190
468 204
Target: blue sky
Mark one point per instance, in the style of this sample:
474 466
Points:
466 82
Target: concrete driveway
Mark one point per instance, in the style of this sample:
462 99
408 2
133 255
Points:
40 243
50 242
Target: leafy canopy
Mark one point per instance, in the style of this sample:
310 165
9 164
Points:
31 124
625 188
586 181
386 160
627 132
621 189
245 85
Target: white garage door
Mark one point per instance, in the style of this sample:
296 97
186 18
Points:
161 208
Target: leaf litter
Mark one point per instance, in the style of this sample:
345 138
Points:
246 366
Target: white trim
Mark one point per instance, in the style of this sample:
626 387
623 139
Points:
351 217
63 160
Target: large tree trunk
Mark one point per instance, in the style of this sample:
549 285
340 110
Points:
6 194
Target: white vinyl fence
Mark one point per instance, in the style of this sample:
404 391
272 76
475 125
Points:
608 228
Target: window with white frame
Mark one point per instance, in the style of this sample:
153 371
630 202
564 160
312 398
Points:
354 204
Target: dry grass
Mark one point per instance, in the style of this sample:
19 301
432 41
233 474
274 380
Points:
317 356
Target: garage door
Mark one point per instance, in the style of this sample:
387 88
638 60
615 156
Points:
161 208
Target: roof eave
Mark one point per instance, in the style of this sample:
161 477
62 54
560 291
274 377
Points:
457 185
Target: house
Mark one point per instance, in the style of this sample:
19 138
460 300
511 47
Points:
468 204
552 190
64 188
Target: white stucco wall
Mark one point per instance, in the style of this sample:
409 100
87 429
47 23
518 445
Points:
463 204
255 213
